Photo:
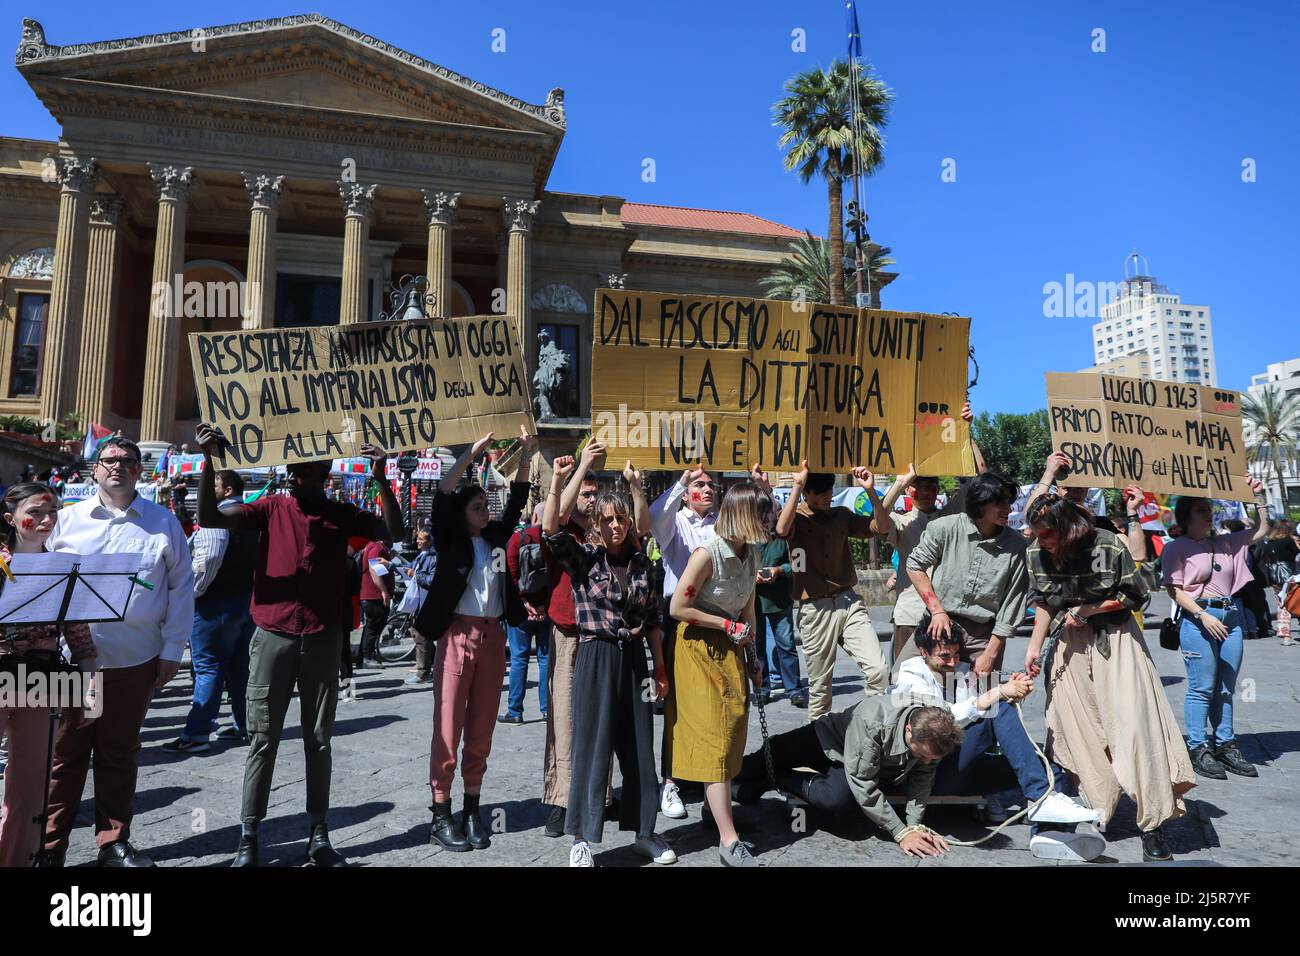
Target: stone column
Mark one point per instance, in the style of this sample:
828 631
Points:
67 288
518 215
358 205
101 309
259 294
158 409
442 214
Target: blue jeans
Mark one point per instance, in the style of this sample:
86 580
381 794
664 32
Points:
522 639
219 643
1212 668
971 771
780 655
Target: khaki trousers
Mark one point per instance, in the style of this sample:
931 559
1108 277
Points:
557 764
840 620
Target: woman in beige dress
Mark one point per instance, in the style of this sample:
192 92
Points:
1108 721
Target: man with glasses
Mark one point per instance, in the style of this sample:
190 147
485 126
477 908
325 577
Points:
970 569
137 655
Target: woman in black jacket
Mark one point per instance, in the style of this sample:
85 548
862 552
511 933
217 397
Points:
471 592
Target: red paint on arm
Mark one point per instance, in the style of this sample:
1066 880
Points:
690 591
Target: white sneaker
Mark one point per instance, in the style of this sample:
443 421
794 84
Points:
657 848
1078 847
670 802
1058 808
580 855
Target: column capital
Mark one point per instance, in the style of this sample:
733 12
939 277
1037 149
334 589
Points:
172 182
75 175
106 210
263 190
518 213
441 206
358 199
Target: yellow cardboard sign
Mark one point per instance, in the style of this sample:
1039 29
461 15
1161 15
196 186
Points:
302 394
1167 437
733 382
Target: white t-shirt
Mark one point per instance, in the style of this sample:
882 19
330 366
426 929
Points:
482 597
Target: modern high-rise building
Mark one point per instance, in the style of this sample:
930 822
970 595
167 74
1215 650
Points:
1145 317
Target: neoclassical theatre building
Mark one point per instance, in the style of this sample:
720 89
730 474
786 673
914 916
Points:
315 166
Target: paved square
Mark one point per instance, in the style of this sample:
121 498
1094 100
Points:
187 806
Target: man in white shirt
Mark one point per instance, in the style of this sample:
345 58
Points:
137 655
988 718
679 531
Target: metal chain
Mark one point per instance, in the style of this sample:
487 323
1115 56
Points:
752 657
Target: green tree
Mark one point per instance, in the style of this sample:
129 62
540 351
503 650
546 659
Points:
820 141
1014 444
1275 442
807 271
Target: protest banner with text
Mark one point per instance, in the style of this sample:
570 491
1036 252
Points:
1168 437
303 394
733 381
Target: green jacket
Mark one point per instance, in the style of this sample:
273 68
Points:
776 598
869 740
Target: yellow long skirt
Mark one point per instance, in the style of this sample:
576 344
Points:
707 714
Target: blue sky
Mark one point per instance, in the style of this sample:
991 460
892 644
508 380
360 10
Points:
1066 159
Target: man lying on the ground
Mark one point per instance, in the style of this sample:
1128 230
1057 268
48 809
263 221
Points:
856 756
986 718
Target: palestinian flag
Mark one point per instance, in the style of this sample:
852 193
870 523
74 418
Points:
94 435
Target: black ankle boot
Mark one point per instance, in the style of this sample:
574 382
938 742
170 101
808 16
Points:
444 832
475 833
320 852
1155 849
1204 763
246 854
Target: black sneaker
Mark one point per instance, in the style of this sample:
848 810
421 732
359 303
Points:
232 733
555 822
1154 847
1232 760
182 746
507 719
1204 763
799 700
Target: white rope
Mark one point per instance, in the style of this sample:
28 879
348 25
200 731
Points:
1051 786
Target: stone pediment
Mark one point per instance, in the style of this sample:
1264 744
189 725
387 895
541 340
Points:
308 61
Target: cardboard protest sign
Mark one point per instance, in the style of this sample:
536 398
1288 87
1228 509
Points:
1168 437
303 394
734 381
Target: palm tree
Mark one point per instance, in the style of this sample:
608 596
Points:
1275 420
807 273
818 135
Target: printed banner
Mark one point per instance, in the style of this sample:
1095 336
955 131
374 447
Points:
732 382
303 394
1168 437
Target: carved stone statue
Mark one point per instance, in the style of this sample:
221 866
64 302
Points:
548 380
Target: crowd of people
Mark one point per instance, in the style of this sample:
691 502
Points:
689 609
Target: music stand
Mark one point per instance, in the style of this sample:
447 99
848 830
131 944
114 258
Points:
60 587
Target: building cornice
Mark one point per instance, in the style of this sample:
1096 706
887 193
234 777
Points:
34 53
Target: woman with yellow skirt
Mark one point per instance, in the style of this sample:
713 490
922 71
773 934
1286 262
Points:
713 603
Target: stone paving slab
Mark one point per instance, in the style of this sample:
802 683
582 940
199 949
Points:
187 807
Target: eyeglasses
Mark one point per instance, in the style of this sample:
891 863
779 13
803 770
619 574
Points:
121 462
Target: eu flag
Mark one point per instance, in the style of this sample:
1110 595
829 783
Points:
855 35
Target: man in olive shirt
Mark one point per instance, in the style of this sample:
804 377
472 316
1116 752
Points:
831 612
970 568
856 755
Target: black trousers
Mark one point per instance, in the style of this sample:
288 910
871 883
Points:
376 613
612 715
669 645
827 787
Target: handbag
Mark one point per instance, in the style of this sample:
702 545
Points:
1278 573
1292 600
1169 629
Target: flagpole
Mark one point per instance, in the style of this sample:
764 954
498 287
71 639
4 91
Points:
855 123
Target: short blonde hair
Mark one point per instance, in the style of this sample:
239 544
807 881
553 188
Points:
742 519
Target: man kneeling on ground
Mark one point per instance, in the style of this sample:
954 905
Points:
987 718
858 754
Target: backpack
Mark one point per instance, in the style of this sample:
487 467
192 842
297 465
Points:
534 573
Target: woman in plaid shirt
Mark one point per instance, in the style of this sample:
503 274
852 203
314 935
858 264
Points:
617 610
